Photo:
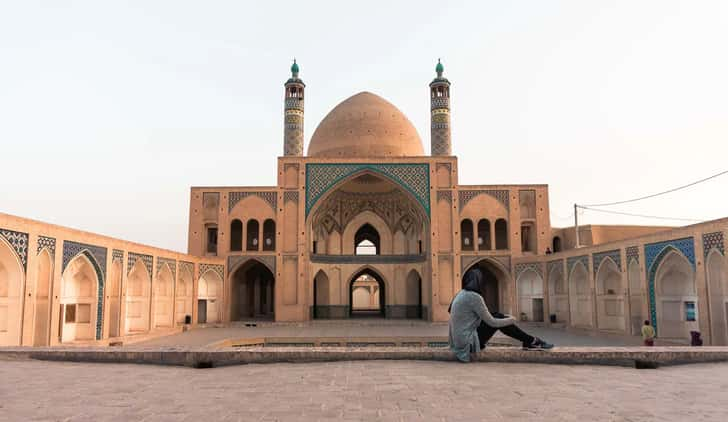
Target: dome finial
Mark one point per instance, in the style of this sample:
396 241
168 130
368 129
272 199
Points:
439 68
294 68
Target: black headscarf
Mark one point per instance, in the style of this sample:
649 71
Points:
473 282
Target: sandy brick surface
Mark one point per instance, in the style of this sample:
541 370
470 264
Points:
378 390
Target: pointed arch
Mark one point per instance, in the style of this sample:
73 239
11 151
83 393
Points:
209 297
253 291
138 299
673 295
377 296
529 286
42 311
80 299
580 298
184 293
715 267
12 277
163 297
321 295
558 293
610 298
413 292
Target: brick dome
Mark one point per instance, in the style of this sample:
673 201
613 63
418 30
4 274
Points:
365 125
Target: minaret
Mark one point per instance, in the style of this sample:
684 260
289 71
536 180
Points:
440 143
293 117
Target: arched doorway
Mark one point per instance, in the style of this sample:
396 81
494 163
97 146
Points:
253 292
321 296
367 295
366 241
556 244
676 298
495 282
530 296
78 300
209 296
11 281
41 320
413 295
610 298
138 292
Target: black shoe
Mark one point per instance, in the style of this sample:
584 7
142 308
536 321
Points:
538 344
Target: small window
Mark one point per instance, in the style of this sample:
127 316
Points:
269 235
252 243
70 313
466 235
212 239
690 311
314 247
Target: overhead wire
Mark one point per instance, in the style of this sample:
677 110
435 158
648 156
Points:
693 220
659 193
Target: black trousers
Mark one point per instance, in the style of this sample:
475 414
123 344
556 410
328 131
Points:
485 332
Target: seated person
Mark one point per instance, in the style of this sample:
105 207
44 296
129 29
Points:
472 325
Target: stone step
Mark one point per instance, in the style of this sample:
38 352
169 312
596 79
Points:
639 357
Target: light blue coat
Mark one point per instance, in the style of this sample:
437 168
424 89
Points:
467 311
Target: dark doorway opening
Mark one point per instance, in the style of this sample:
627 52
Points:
253 293
367 295
491 291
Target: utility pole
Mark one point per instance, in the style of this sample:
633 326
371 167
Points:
576 224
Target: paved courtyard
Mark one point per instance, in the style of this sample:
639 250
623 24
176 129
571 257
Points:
373 328
382 390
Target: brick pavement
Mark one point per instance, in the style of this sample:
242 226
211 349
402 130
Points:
386 390
375 328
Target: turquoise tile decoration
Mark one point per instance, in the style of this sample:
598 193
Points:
654 254
412 177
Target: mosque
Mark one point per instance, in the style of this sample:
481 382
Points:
365 224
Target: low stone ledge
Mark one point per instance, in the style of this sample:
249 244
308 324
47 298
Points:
202 358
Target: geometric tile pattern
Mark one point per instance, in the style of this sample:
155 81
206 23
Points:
235 261
713 240
219 269
414 178
444 195
654 253
188 266
290 196
19 243
133 257
48 243
268 196
117 255
172 265
571 261
598 257
558 264
632 252
466 196
533 266
97 256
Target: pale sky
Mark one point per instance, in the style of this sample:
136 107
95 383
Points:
109 112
